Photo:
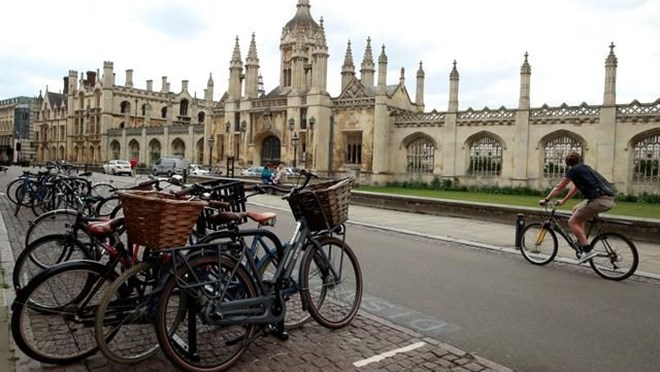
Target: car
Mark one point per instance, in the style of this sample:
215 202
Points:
197 170
169 165
252 171
117 167
292 171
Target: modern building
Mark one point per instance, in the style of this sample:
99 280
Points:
16 128
375 127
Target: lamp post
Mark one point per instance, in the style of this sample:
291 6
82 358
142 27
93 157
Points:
211 141
309 145
294 143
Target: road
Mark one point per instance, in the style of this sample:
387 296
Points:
555 318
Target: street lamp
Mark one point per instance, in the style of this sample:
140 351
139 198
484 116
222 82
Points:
292 124
211 140
294 143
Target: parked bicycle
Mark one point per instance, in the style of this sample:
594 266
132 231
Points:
616 255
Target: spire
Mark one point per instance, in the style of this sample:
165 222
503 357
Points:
368 70
235 72
348 69
236 55
252 53
453 89
419 95
525 73
324 41
382 71
402 78
609 98
210 81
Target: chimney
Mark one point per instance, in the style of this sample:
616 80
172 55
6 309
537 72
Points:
129 79
66 85
164 88
184 85
150 85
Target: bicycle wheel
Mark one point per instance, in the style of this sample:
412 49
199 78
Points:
45 252
108 204
616 256
51 316
52 221
11 189
123 328
103 189
331 282
198 286
538 244
296 316
45 199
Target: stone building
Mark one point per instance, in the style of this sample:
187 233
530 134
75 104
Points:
16 117
372 127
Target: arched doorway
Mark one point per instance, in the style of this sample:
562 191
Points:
271 150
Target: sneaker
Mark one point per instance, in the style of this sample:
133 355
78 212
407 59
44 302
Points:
586 256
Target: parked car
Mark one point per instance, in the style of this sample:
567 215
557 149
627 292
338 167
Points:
169 166
292 171
197 170
252 171
117 167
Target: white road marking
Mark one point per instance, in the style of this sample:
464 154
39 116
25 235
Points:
378 358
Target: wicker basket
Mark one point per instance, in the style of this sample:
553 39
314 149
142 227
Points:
158 220
323 205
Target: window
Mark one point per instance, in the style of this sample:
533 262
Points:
183 108
420 156
485 157
555 153
353 148
163 112
646 160
123 108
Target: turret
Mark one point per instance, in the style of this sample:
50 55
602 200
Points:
252 70
235 72
453 89
382 72
348 68
419 96
609 98
367 70
525 78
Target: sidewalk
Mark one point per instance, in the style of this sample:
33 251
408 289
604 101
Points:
491 235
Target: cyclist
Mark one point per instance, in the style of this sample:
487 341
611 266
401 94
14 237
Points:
598 199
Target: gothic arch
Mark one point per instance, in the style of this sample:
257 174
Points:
271 150
92 154
178 147
645 154
61 154
420 151
134 149
416 136
484 154
199 151
554 147
154 150
115 150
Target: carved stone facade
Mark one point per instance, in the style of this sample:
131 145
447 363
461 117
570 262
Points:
371 127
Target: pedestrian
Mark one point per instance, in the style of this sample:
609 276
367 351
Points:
599 194
267 175
133 166
281 175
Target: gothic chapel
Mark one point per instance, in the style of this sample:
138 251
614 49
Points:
373 128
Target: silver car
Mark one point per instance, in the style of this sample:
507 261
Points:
117 167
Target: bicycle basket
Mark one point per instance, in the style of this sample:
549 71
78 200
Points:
228 190
323 205
158 220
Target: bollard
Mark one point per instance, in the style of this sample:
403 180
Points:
520 224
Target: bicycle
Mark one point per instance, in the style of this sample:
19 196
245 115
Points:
226 299
616 256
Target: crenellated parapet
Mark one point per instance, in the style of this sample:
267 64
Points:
636 111
501 116
420 120
582 114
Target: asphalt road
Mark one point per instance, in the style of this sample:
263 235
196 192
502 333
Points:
555 318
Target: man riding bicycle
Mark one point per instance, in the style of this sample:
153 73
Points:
598 199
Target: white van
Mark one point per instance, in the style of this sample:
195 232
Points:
169 165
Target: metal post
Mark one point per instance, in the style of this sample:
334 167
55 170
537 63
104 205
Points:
520 225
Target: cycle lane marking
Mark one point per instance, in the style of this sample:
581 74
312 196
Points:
388 354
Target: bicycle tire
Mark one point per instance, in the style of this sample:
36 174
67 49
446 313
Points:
226 344
106 206
45 199
103 189
47 316
332 302
617 257
11 189
55 220
44 253
538 252
122 327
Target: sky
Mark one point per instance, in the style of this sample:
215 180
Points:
567 42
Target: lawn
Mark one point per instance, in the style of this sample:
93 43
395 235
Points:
639 210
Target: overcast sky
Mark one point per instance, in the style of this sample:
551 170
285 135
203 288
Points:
567 41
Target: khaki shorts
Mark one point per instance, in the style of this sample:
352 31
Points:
590 208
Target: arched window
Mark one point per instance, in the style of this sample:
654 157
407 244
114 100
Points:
183 108
154 151
134 149
178 147
201 117
420 156
353 148
270 150
555 153
485 157
124 107
646 159
114 150
163 112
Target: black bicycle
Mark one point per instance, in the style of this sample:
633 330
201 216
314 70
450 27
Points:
616 256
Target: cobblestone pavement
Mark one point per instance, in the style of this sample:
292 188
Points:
368 344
